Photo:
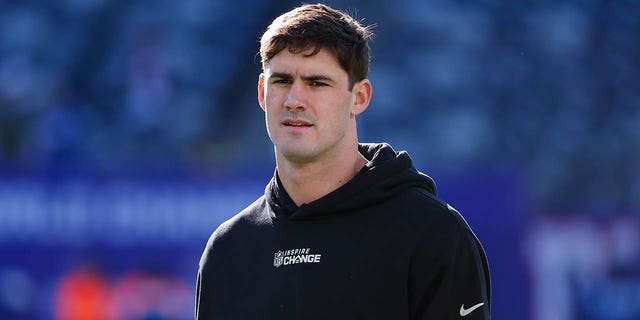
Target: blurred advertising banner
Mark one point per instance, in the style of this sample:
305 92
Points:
584 267
108 249
82 212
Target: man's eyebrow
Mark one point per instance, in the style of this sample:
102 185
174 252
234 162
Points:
313 77
316 77
281 75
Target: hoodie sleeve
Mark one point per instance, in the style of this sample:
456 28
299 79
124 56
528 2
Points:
204 286
449 278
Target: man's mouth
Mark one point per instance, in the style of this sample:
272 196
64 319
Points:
296 123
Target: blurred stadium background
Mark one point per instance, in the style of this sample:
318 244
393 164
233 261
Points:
130 129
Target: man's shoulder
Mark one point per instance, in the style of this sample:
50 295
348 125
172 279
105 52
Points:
228 233
252 215
427 210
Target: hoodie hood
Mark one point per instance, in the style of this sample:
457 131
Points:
386 174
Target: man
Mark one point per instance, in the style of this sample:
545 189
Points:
344 230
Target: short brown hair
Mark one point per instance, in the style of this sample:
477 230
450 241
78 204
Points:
319 26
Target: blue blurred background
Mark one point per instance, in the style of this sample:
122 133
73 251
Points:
130 129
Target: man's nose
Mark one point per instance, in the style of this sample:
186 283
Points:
296 97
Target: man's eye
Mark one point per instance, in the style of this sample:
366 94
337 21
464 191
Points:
318 84
281 81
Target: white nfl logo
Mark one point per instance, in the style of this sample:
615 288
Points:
277 258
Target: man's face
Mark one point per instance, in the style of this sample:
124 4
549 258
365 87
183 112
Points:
310 113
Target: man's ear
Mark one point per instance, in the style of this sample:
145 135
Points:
261 91
362 90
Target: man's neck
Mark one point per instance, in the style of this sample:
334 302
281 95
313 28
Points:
311 181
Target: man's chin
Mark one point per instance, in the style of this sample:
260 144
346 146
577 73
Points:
297 154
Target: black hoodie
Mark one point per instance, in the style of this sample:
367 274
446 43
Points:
382 246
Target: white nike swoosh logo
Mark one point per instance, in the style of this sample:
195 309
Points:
464 312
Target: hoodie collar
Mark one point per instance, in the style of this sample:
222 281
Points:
386 173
